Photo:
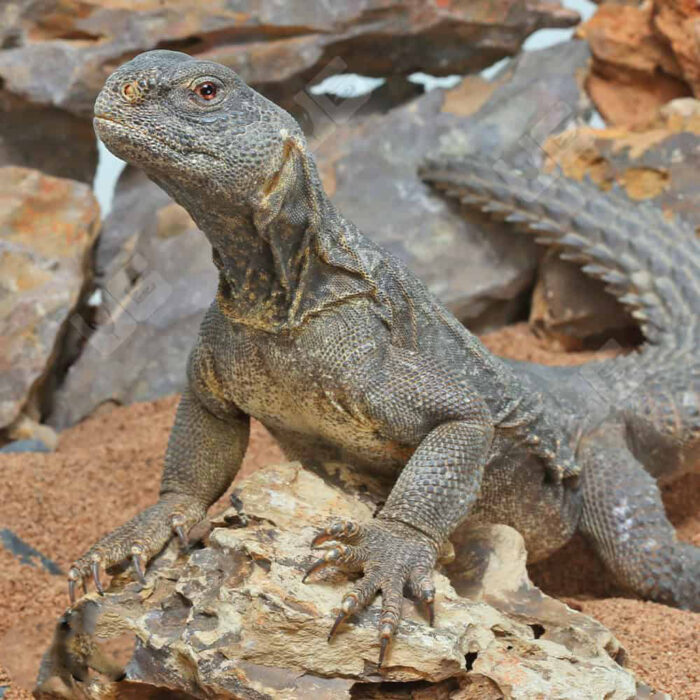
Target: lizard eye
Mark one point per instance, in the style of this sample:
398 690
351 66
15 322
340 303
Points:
206 90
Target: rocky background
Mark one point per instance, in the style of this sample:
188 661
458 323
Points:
97 312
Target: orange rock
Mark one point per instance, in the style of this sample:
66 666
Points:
634 70
678 22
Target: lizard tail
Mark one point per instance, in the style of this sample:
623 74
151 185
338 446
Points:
651 264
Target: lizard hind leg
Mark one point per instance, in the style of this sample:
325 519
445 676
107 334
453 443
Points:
624 518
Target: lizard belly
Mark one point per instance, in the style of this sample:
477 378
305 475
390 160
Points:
293 396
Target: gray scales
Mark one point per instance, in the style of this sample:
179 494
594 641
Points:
344 356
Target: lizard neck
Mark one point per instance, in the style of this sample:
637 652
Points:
283 254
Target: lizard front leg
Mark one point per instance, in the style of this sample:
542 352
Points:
399 548
204 454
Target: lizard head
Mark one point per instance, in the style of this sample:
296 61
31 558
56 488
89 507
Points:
194 126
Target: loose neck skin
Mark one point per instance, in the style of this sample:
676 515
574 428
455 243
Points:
272 250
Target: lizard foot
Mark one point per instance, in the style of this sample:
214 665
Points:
393 557
139 540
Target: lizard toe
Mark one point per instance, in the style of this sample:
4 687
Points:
346 557
346 531
393 556
137 541
422 589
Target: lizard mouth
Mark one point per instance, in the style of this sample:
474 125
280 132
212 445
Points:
108 125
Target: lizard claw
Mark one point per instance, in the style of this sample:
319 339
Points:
177 522
385 637
73 578
181 536
430 605
341 554
348 607
137 563
393 556
95 569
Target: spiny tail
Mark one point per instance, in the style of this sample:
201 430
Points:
651 264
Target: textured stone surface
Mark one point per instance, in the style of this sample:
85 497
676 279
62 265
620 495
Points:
570 306
60 51
234 620
476 266
644 55
47 229
46 138
658 163
155 280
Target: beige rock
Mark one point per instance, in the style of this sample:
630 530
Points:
233 619
656 162
47 229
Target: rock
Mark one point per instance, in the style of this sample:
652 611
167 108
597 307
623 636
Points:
569 306
233 619
677 21
657 163
25 428
47 229
26 553
475 265
61 52
644 55
47 139
155 281
25 446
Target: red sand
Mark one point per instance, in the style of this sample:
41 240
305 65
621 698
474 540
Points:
108 468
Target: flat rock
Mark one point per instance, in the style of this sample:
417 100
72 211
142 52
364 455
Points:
24 446
61 52
47 229
233 619
46 138
155 280
476 266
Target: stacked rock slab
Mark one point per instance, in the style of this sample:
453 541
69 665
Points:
60 52
644 55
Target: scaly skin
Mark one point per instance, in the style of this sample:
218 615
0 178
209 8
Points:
335 347
650 426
